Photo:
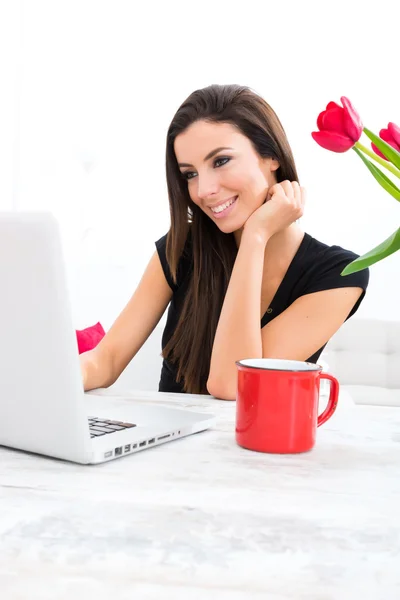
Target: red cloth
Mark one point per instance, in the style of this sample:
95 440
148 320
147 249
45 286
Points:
89 338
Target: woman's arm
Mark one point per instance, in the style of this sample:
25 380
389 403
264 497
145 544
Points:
102 366
238 332
308 323
299 331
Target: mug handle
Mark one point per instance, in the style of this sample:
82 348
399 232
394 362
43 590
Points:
333 399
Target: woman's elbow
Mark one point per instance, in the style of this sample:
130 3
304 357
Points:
220 390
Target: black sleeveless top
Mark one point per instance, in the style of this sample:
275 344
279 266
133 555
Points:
314 268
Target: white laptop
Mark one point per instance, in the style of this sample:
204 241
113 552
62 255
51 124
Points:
43 408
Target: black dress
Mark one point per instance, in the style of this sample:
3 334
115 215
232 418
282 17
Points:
314 268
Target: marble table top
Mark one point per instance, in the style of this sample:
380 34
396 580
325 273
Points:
202 518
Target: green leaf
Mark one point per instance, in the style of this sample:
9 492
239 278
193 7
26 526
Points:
386 149
381 178
389 246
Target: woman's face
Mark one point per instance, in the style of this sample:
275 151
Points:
225 176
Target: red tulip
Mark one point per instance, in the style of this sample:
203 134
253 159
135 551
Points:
391 135
339 127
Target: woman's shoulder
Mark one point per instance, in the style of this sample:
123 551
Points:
323 264
161 245
184 264
326 253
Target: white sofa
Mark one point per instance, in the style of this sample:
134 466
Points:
364 355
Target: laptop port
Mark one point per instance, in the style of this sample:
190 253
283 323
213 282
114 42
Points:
164 437
108 454
142 444
127 448
118 451
152 441
134 446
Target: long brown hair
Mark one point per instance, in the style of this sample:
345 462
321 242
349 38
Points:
214 252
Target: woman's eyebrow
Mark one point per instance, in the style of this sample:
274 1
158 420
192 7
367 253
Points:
209 155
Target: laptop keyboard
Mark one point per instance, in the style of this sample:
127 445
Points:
103 426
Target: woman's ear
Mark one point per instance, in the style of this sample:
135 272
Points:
269 165
274 165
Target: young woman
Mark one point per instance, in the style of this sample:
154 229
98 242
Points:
241 277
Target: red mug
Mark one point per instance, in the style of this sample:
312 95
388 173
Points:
277 404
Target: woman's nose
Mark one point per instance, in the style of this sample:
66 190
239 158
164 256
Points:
207 185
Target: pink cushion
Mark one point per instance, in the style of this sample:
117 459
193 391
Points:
89 338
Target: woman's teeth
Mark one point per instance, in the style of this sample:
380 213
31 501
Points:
222 207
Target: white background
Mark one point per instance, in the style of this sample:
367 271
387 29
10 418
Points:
88 89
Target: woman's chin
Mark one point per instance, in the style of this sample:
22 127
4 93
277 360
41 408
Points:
230 225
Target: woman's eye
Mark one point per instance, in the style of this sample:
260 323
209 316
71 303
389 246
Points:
219 162
188 175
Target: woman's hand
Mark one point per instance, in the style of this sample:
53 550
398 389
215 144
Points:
284 205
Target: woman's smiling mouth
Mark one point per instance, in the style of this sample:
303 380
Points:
224 208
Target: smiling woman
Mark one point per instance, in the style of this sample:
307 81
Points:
241 277
216 180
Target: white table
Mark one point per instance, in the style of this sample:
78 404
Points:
202 518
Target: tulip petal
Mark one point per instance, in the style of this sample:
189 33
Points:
385 135
389 152
352 120
332 120
332 141
332 104
394 131
320 120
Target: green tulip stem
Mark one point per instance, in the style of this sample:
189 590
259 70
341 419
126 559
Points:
381 161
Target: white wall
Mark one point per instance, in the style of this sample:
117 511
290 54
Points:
89 88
